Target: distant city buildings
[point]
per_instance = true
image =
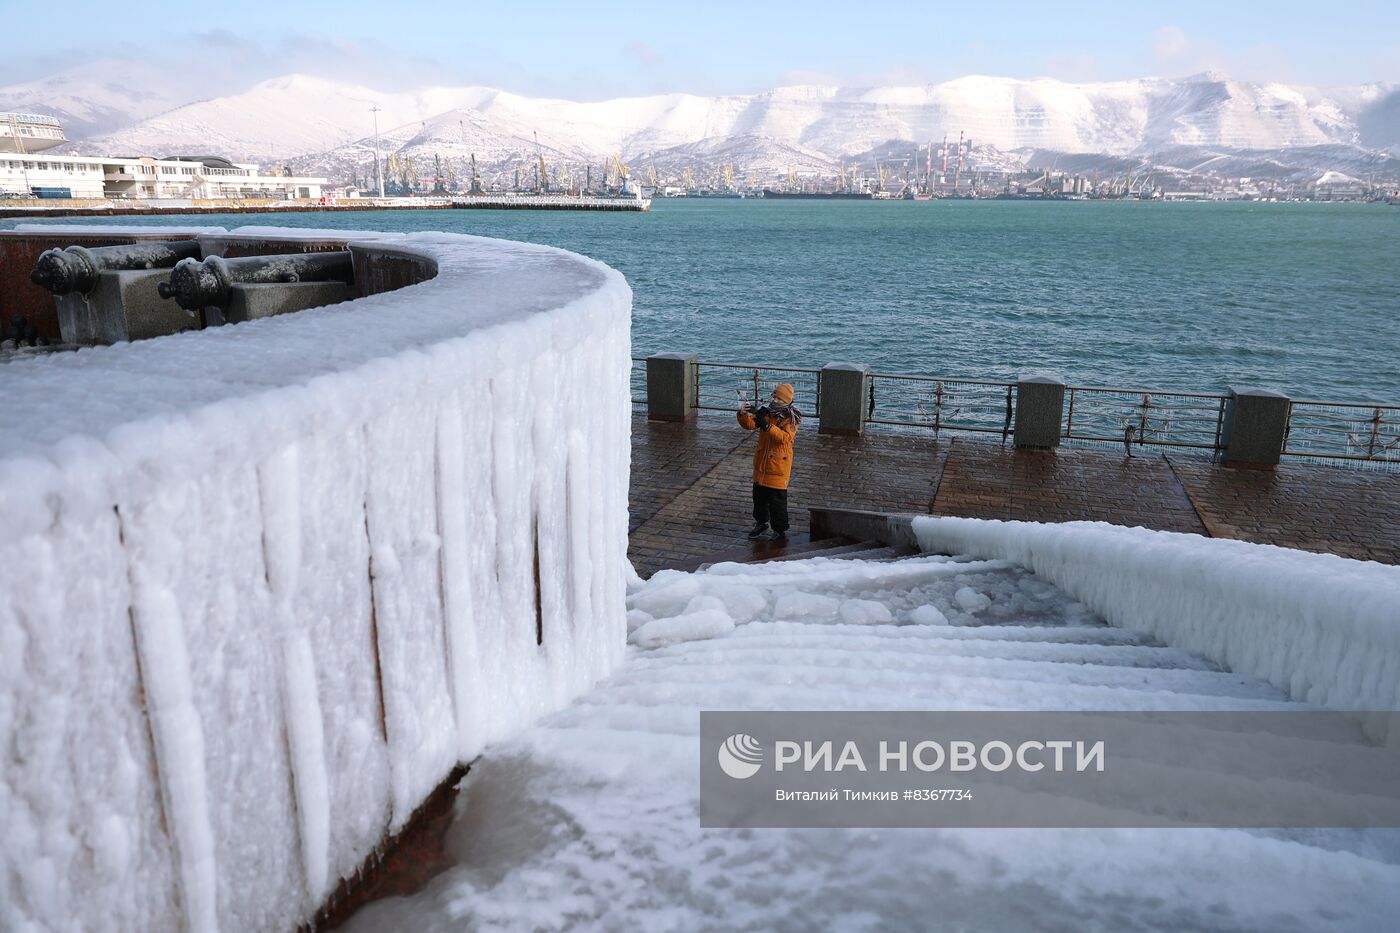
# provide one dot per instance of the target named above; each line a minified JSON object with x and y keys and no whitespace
{"x":116,"y":178}
{"x":27,"y":170}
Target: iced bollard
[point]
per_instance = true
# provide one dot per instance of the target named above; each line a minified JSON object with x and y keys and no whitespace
{"x":844,"y":390}
{"x":671,"y":386}
{"x":1040,"y":405}
{"x":1256,"y":425}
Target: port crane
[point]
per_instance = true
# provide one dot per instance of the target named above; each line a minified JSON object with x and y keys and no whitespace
{"x":957,"y":174}
{"x":541,"y":173}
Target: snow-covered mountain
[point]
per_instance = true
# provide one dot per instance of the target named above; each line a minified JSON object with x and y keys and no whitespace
{"x":317,"y":122}
{"x":96,"y":97}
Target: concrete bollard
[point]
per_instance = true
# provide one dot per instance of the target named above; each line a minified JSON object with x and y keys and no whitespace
{"x":122,"y":305}
{"x":844,"y":390}
{"x":251,"y":302}
{"x":1256,"y":423}
{"x":671,"y":386}
{"x":1040,"y":409}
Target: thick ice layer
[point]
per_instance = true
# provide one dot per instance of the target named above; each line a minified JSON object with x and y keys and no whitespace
{"x":1322,"y":628}
{"x":262,"y":587}
{"x":590,"y":820}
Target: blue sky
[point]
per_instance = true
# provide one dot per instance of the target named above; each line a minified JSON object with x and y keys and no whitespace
{"x":596,"y":50}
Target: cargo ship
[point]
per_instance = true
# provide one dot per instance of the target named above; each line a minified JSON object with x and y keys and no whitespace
{"x":819,"y":195}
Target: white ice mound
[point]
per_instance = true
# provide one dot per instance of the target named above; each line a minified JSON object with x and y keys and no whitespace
{"x":707,"y":623}
{"x":1322,"y":628}
{"x":864,"y":612}
{"x":971,"y":600}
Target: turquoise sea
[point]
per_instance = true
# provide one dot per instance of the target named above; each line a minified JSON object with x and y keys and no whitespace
{"x":1300,"y":297}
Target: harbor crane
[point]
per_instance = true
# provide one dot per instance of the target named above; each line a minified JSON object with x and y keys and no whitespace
{"x":957,"y":174}
{"x":541,"y":174}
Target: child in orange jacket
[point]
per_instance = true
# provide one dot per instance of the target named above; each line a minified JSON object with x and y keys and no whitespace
{"x":777,"y":424}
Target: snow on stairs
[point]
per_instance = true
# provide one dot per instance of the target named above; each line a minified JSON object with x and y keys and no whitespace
{"x":875,"y":617}
{"x":859,"y":625}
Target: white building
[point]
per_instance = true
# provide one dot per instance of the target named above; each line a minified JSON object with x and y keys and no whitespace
{"x":147,"y":178}
{"x":1337,"y":186}
{"x":26,"y":170}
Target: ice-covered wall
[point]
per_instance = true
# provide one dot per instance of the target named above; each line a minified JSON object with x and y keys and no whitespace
{"x":1324,"y":629}
{"x":262,"y":587}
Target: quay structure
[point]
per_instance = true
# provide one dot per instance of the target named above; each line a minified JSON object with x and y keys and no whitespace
{"x":266,"y":589}
{"x":34,"y":183}
{"x":1249,"y":464}
{"x":506,"y":202}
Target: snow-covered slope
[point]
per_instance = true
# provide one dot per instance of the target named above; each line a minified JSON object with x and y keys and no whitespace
{"x":300,"y":115}
{"x":95,"y":97}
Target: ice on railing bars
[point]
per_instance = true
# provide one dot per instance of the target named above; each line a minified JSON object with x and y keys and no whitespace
{"x":1324,"y":629}
{"x":263,"y":587}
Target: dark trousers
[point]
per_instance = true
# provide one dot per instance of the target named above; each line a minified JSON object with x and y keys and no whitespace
{"x":770,"y":507}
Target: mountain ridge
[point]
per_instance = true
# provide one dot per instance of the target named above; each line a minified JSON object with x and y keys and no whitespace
{"x":315,"y":121}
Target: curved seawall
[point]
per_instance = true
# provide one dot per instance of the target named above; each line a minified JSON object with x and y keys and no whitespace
{"x":263,"y":587}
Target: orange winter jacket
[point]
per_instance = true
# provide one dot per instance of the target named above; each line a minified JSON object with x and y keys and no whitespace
{"x":772,"y":462}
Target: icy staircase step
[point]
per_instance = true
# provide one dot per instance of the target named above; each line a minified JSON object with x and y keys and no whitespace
{"x":829,"y":547}
{"x":766,"y":550}
{"x":880,"y":553}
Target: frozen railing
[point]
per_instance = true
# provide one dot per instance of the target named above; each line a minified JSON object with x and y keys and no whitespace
{"x":941,"y":404}
{"x":637,"y":382}
{"x":1144,"y":417}
{"x":722,"y":386}
{"x":1343,"y":431}
{"x":1245,"y":427}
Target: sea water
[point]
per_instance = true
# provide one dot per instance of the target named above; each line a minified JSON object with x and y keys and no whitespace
{"x":1295,"y":296}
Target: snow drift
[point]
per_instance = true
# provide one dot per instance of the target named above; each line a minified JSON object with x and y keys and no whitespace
{"x":262,"y":587}
{"x":1324,"y":629}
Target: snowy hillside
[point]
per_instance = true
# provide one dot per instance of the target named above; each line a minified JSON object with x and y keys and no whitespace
{"x":97,"y":97}
{"x":299,"y":116}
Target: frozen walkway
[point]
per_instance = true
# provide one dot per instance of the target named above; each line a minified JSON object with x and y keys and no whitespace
{"x":690,"y":490}
{"x":589,"y":820}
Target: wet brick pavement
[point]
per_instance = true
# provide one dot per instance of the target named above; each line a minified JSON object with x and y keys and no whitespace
{"x":690,"y":490}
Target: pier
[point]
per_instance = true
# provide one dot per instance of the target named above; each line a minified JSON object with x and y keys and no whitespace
{"x":524,"y":202}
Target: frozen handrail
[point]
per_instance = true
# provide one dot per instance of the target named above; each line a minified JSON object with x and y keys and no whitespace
{"x":1356,"y":433}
